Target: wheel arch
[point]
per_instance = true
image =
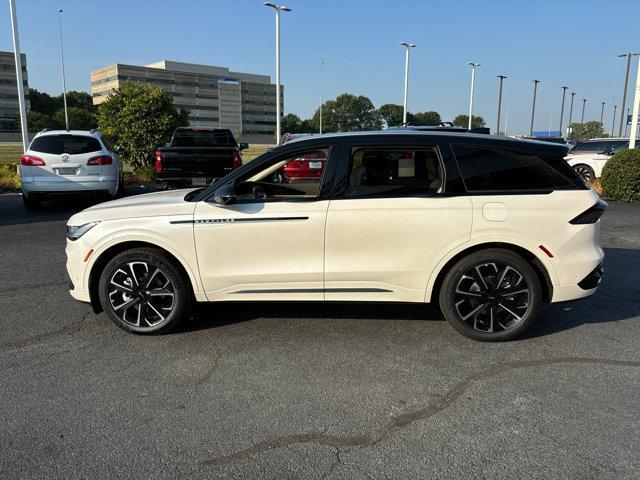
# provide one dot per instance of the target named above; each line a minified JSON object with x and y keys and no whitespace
{"x":101,"y":261}
{"x":540,"y":269}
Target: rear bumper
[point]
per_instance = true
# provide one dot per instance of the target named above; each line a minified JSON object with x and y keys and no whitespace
{"x":584,"y":288}
{"x":195,"y":181}
{"x":34,"y":185}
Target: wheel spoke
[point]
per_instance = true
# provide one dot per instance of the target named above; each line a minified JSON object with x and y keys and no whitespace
{"x":517,"y":317}
{"x":468,"y":295}
{"x":156,"y":310}
{"x":475,"y":311}
{"x":120,"y":288}
{"x":152,"y":276}
{"x":160,"y":292}
{"x":126,"y":304}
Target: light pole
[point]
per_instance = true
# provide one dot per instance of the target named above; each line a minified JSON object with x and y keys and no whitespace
{"x":584,"y":104}
{"x":18,"y":60}
{"x":64,"y":80}
{"x":602,"y":114}
{"x":321,"y":93}
{"x":278,"y":9}
{"x":564,"y":93}
{"x":473,"y":81}
{"x":506,"y":117}
{"x":573,"y":94}
{"x":636,"y":111}
{"x":407,"y":46}
{"x":501,"y":77}
{"x":626,"y":124}
{"x":533,"y":106}
{"x":613,"y":122}
{"x":626,"y":84}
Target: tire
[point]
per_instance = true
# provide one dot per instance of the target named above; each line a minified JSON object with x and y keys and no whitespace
{"x":122,"y":288}
{"x":31,"y":202}
{"x":585,"y":171}
{"x":120,"y":191}
{"x":473,"y":302}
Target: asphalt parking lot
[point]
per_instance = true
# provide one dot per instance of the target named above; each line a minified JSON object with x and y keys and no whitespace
{"x":308,"y":390}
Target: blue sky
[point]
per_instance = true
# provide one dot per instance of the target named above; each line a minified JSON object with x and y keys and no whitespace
{"x":561,"y":42}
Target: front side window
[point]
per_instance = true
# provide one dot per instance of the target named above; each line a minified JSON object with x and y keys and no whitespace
{"x":69,"y":144}
{"x":394,"y":171}
{"x":296,"y":176}
{"x":494,"y":169}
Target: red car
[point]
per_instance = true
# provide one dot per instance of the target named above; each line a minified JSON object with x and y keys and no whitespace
{"x":307,"y":168}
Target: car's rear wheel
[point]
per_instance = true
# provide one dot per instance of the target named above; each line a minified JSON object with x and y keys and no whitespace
{"x":585,"y":171}
{"x":31,"y":202}
{"x":143,"y":291}
{"x":491,"y":295}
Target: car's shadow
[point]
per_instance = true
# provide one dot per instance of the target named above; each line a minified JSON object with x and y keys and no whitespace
{"x":617,"y":299}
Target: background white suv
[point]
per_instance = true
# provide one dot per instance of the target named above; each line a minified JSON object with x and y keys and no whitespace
{"x":74,"y":161}
{"x":589,"y":158}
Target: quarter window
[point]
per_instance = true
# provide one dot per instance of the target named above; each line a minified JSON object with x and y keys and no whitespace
{"x":493,"y":169}
{"x":394,"y":171}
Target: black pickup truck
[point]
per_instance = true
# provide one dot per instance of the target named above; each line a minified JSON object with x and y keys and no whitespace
{"x":197,"y":156}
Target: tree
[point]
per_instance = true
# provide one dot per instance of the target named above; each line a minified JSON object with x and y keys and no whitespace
{"x":391,"y":114}
{"x":462,"y":120}
{"x":348,"y":113}
{"x":43,"y":102}
{"x":585,"y":131}
{"x":138,"y":118}
{"x":81,"y":100}
{"x":79,"y":119}
{"x":38,"y":121}
{"x":427,"y":118}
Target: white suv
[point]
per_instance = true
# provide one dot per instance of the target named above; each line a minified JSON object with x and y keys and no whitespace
{"x":589,"y":158}
{"x":488,"y":227}
{"x":74,"y":161}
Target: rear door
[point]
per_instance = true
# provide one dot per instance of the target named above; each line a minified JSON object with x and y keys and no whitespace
{"x":65,"y":157}
{"x":391,"y":223}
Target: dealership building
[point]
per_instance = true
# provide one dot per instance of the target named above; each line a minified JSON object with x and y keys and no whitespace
{"x":9,"y":108}
{"x":245,"y":103}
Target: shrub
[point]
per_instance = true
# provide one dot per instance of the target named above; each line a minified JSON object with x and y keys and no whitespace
{"x":9,"y":178}
{"x":621,"y":177}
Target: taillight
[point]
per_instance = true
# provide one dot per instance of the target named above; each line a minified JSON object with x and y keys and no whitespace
{"x":31,"y":161}
{"x":100,"y":160}
{"x":158,"y":165}
{"x":237,"y":160}
{"x":591,"y":215}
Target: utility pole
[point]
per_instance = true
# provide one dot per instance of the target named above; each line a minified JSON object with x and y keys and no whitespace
{"x":533,"y":106}
{"x":584,"y":104}
{"x":407,"y":46}
{"x":501,"y":77}
{"x":473,"y":81}
{"x":626,"y":84}
{"x":18,"y":58}
{"x":564,"y":93}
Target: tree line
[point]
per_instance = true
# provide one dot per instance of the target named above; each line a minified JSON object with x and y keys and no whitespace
{"x":348,"y":113}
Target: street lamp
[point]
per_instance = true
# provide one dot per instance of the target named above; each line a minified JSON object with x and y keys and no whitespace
{"x":602,"y":114}
{"x":64,"y":81}
{"x":533,"y":106}
{"x":584,"y":105}
{"x":407,"y":46}
{"x":573,"y":94}
{"x":613,"y":122}
{"x":278,"y":9}
{"x":626,"y":84}
{"x":506,"y":118}
{"x":564,"y":93}
{"x":501,"y":77}
{"x":473,"y":81}
{"x":18,"y":59}
{"x":626,"y":124}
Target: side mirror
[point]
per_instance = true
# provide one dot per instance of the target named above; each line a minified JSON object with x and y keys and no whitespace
{"x":225,"y":195}
{"x":243,"y":146}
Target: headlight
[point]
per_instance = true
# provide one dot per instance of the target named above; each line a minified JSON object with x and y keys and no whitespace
{"x":74,"y":233}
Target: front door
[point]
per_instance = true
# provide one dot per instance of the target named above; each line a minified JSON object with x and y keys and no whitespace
{"x":269,"y":245}
{"x":391,"y":225}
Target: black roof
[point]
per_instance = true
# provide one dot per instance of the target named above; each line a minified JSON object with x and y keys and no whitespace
{"x":441,"y":136}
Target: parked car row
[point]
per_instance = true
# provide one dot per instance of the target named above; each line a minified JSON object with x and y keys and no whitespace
{"x":589,"y":157}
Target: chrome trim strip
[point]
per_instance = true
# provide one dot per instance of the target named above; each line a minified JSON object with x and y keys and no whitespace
{"x":205,"y":221}
{"x":316,"y":290}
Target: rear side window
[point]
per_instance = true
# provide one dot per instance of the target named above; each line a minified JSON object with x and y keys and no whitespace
{"x":70,"y":144}
{"x":203,"y":138}
{"x":501,"y":170}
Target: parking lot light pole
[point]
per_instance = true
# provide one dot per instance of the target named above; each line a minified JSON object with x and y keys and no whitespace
{"x":613,"y":122}
{"x":564,"y":93}
{"x":501,"y":77}
{"x":602,"y":114}
{"x":624,"y":95}
{"x":573,"y":94}
{"x":64,"y":80}
{"x":636,"y":111}
{"x":626,"y":124}
{"x":278,"y":9}
{"x":18,"y":59}
{"x":473,"y":81}
{"x":321,"y":93}
{"x":584,"y":105}
{"x":506,"y":117}
{"x":407,"y":46}
{"x":533,"y":106}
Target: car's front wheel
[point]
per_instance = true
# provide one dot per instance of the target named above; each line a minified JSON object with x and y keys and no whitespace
{"x":143,"y":291}
{"x":491,"y":295}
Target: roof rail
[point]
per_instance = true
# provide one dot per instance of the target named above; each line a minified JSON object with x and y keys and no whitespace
{"x":43,"y":130}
